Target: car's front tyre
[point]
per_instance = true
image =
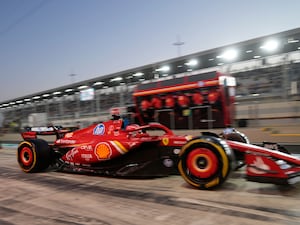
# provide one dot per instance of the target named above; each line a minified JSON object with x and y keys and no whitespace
{"x":205,"y":162}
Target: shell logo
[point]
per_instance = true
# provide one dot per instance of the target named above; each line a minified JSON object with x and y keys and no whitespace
{"x":103,"y":151}
{"x":165,"y":141}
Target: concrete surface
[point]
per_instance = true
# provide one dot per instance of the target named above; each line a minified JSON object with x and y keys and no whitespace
{"x":70,"y":199}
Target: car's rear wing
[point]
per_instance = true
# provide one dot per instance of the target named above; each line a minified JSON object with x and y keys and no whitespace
{"x":58,"y":131}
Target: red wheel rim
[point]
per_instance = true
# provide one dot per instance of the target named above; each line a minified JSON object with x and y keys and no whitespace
{"x":26,"y":156}
{"x":202,"y":163}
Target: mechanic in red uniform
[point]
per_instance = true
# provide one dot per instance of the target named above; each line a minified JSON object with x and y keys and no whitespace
{"x":197,"y":98}
{"x":183,"y":100}
{"x":145,"y":111}
{"x":213,"y":97}
{"x":156,"y":102}
{"x":169,"y":101}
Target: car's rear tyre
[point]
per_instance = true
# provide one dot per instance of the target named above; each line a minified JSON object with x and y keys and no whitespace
{"x":205,"y":162}
{"x":34,"y":155}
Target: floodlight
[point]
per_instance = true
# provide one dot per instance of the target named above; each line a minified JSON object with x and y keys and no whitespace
{"x":116,"y":79}
{"x":82,"y":87}
{"x":292,"y":40}
{"x":163,"y":69}
{"x":229,"y":55}
{"x":138,"y":74}
{"x":270,"y":45}
{"x":98,"y":83}
{"x":192,"y":62}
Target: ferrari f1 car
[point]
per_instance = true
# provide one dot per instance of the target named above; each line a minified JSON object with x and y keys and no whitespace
{"x":153,"y":150}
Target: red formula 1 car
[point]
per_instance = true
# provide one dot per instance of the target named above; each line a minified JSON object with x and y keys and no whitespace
{"x":154,"y":150}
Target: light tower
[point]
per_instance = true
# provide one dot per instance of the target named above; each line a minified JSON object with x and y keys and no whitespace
{"x":178,"y":43}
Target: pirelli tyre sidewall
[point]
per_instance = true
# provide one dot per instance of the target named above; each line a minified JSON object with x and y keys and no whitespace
{"x":205,"y":162}
{"x":33,"y":155}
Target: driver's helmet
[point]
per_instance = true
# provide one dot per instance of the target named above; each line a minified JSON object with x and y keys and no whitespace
{"x":115,"y":113}
{"x":228,"y":130}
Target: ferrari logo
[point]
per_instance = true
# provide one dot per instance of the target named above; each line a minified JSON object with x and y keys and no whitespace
{"x":165,"y":141}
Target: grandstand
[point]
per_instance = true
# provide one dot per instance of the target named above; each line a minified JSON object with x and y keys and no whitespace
{"x":267,"y":70}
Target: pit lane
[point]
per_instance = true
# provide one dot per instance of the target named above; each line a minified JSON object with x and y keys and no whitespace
{"x":62,"y":198}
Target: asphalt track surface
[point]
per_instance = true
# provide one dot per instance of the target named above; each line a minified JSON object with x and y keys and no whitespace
{"x":63,"y":198}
